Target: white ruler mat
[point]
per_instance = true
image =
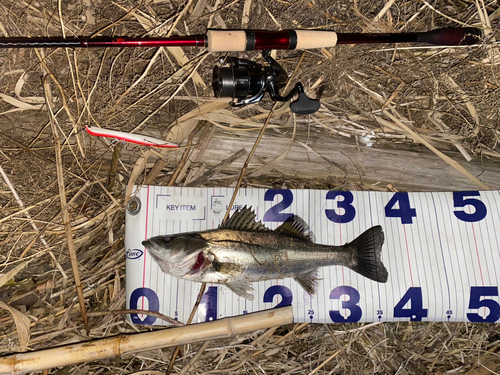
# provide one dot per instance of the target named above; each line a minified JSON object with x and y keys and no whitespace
{"x":441,"y":251}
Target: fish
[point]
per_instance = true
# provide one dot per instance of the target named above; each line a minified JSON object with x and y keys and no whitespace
{"x":241,"y":251}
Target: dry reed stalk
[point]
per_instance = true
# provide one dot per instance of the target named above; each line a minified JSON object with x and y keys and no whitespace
{"x":384,"y":10}
{"x":62,"y":196}
{"x":130,"y":344}
{"x":21,"y":204}
{"x":28,"y":149}
{"x":447,"y":159}
{"x":137,"y":311}
{"x":184,"y":157}
{"x":45,"y":227}
{"x":190,"y":319}
{"x":190,"y":75}
{"x":139,"y":167}
{"x":211,"y":172}
{"x":246,"y":13}
{"x":196,"y":357}
{"x":196,"y":154}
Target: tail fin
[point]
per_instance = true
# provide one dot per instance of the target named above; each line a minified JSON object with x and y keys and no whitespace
{"x":369,"y":245}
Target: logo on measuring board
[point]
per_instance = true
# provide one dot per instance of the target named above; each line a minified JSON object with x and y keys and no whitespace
{"x":133,"y":253}
{"x":217,"y":206}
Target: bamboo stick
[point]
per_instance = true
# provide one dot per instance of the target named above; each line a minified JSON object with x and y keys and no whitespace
{"x":22,"y":363}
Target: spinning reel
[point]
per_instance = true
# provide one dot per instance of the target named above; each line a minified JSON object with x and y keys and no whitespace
{"x":248,"y":81}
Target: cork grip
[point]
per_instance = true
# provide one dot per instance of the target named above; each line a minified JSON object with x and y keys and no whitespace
{"x":315,"y":39}
{"x":226,"y":40}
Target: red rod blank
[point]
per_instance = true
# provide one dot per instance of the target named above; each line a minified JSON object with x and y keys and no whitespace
{"x":261,"y":39}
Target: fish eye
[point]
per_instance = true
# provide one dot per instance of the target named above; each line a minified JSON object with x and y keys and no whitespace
{"x":167,"y":239}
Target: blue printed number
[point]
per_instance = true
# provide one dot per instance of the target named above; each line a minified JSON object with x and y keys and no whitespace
{"x":351,"y":304}
{"x":416,"y":311}
{"x":280,"y":290}
{"x":405,"y":212}
{"x":274,"y":213}
{"x":209,"y":300}
{"x":349,"y":210}
{"x":153,"y":305}
{"x":459,"y":201}
{"x":475,"y":302}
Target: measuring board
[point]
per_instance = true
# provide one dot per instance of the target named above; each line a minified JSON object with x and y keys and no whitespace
{"x":441,"y":252}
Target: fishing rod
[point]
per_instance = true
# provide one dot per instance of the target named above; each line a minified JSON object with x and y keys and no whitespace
{"x":246,"y":81}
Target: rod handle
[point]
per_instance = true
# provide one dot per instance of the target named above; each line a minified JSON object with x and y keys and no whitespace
{"x":307,"y":39}
{"x":226,"y":40}
{"x":249,"y":40}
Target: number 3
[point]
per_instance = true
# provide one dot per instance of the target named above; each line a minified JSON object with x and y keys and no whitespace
{"x":349,"y":210}
{"x":351,"y":304}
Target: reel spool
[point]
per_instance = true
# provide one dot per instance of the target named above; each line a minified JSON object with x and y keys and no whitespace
{"x":246,"y":82}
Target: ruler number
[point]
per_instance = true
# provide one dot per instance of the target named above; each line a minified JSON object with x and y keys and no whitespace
{"x":475,"y":302}
{"x":460,"y":201}
{"x":209,"y":302}
{"x":153,"y":305}
{"x":405,"y":212}
{"x":349,"y":210}
{"x":416,"y":311}
{"x":274,"y":213}
{"x":351,"y":304}
{"x":279,"y":290}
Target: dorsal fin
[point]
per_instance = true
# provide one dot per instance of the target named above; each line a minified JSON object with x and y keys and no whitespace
{"x":296,"y":227}
{"x":244,"y":220}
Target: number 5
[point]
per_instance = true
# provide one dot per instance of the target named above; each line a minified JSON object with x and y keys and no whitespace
{"x":475,"y":302}
{"x":459,"y":201}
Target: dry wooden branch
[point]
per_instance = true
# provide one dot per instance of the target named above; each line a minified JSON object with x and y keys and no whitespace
{"x":129,"y":344}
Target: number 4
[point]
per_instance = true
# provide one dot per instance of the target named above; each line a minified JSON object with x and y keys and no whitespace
{"x":405,"y":212}
{"x":416,"y":311}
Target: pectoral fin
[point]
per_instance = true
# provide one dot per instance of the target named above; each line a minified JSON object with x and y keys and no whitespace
{"x":241,"y":288}
{"x":308,"y":281}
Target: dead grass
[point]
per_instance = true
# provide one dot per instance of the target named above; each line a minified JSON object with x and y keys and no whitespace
{"x":71,"y":190}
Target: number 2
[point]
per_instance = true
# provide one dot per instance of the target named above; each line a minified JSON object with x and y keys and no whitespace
{"x":274,"y":213}
{"x":279,"y":290}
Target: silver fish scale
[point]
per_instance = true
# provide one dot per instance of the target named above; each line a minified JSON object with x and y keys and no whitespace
{"x":256,"y":256}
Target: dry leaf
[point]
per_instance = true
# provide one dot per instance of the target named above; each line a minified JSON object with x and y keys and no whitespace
{"x":28,"y":99}
{"x":13,"y":272}
{"x":22,"y":323}
{"x":20,"y":106}
{"x":186,"y":124}
{"x":274,"y":163}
